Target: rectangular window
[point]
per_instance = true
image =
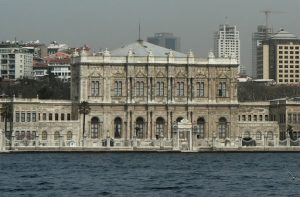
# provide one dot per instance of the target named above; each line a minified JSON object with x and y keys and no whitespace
{"x":56,"y":116}
{"x":68,"y":116}
{"x":118,"y":88}
{"x":28,"y":116}
{"x":294,"y":118}
{"x":243,"y":117}
{"x":260,"y":118}
{"x":33,"y":117}
{"x":222,"y":89}
{"x":17,"y":116}
{"x":180,"y":88}
{"x":22,"y":117}
{"x":62,"y":116}
{"x":160,"y":88}
{"x":44,"y":116}
{"x":255,"y":118}
{"x":289,"y":118}
{"x":249,"y":117}
{"x":50,"y":117}
{"x":95,"y":88}
{"x":200,"y":89}
{"x":266,"y":118}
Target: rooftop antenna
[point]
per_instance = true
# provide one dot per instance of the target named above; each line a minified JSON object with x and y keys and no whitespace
{"x":226,"y":20}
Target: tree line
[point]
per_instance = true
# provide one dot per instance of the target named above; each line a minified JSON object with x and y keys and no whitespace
{"x":252,"y":91}
{"x":47,"y":87}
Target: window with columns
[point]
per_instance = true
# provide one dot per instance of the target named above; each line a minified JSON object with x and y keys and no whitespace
{"x":180,"y":88}
{"x":200,"y":89}
{"x":118,"y":88}
{"x":159,"y":88}
{"x":95,"y":88}
{"x":139,"y":88}
{"x":222,"y":89}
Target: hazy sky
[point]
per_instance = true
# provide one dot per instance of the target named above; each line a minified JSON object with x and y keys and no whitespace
{"x":113,"y":23}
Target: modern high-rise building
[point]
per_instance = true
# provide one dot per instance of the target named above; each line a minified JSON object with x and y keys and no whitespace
{"x":280,"y":59}
{"x":227,"y":42}
{"x":167,"y":40}
{"x":15,"y":63}
{"x":263,"y":33}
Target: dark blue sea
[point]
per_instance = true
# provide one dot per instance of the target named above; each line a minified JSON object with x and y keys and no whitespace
{"x":150,"y":174}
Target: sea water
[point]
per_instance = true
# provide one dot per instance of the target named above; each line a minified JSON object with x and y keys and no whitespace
{"x":150,"y":174}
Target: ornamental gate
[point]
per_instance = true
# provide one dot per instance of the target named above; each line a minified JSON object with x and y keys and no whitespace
{"x":182,"y":135}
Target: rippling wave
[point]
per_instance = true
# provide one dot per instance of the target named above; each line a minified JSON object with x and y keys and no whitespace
{"x":150,"y":174}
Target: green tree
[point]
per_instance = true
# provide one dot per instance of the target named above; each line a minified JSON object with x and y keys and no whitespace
{"x":84,"y":108}
{"x":7,"y":113}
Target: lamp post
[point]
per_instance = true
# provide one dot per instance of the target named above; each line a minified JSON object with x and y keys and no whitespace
{"x":175,"y":129}
{"x":161,"y":136}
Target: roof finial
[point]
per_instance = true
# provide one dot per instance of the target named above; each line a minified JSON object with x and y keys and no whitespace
{"x":140,"y":40}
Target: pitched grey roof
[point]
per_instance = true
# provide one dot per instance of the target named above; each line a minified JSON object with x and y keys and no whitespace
{"x":282,"y":34}
{"x":143,"y":48}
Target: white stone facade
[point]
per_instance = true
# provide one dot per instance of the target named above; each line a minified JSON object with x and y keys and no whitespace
{"x":170,"y":101}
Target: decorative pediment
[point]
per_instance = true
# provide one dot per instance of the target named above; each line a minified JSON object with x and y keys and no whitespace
{"x":160,"y":74}
{"x":95,"y":73}
{"x":140,"y":73}
{"x":200,"y":74}
{"x":224,"y":73}
{"x":117,"y":72}
{"x":180,"y":74}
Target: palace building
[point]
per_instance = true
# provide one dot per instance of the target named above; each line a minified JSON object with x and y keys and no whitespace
{"x":143,"y":96}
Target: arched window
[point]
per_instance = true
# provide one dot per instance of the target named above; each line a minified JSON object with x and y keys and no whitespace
{"x":270,"y":135}
{"x":160,"y":125}
{"x":69,"y":135}
{"x":17,"y":134}
{"x":44,"y":135}
{"x":22,"y":135}
{"x":222,"y":128}
{"x":56,"y":135}
{"x":118,"y":127}
{"x":258,"y":135}
{"x":247,"y":134}
{"x":200,"y":127}
{"x":28,"y":135}
{"x":94,"y":128}
{"x":33,"y":134}
{"x":179,"y":119}
{"x":140,"y":127}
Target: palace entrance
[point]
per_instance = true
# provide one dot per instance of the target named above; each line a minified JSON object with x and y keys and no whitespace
{"x":183,"y":135}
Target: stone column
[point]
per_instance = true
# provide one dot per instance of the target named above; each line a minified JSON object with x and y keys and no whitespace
{"x":12,"y":141}
{"x":36,"y":140}
{"x":2,"y":147}
{"x":288,"y":141}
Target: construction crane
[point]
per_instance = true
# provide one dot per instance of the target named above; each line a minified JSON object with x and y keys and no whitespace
{"x":267,"y":14}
